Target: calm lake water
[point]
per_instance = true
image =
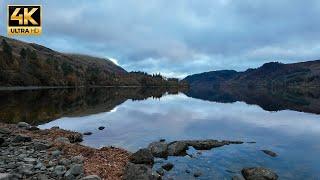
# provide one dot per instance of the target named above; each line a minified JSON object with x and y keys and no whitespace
{"x":287,"y":123}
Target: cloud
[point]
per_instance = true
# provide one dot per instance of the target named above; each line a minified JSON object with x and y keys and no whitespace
{"x":182,"y":37}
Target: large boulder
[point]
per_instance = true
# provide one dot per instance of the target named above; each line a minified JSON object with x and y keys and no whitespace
{"x":159,"y":149}
{"x":177,"y":148}
{"x":258,"y":173}
{"x":142,"y":156}
{"x":138,"y":171}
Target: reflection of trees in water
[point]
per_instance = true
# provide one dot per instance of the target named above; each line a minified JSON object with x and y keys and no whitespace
{"x":39,"y":106}
{"x":302,"y":99}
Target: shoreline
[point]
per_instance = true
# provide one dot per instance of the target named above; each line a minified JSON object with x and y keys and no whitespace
{"x":106,"y":162}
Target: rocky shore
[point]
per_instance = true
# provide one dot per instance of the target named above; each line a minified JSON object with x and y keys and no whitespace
{"x":27,"y":152}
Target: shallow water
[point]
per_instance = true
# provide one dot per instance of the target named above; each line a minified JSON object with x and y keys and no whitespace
{"x":293,"y":135}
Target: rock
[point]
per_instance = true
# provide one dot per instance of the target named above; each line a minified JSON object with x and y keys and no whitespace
{"x":21,"y":138}
{"x":159,"y":149}
{"x":65,"y":162}
{"x":137,"y":171}
{"x":1,"y":141}
{"x":76,"y":169}
{"x":69,"y":176}
{"x":258,"y":173}
{"x":39,"y":146}
{"x":30,"y":161}
{"x":77,"y":159}
{"x":101,"y":128}
{"x":162,"y":140}
{"x":56,"y":153}
{"x":160,"y":171}
{"x":62,"y":140}
{"x":4,"y":131}
{"x":39,"y":166}
{"x":168,"y":166}
{"x":188,"y":171}
{"x":232,"y":142}
{"x":26,"y":169}
{"x":197,"y":174}
{"x":23,"y":125}
{"x":55,"y":127}
{"x":91,"y":177}
{"x":87,"y":133}
{"x":142,"y":156}
{"x":270,"y":153}
{"x":75,"y":138}
{"x":177,"y":148}
{"x":8,"y":176}
{"x":237,"y":178}
{"x":33,"y":128}
{"x":205,"y":144}
{"x":59,"y":170}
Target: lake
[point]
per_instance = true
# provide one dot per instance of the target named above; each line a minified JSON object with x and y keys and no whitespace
{"x":284,"y":121}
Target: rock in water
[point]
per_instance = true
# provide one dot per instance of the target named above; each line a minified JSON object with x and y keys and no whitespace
{"x":258,"y":173}
{"x":87,"y":133}
{"x":177,"y":148}
{"x":168,"y":166}
{"x":101,"y":128}
{"x":142,"y":156}
{"x":159,"y":149}
{"x":197,"y":174}
{"x":91,"y":177}
{"x":237,"y":178}
{"x":137,"y":171}
{"x":270,"y":153}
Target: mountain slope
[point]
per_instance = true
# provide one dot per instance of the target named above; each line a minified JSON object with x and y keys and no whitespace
{"x":271,"y":74}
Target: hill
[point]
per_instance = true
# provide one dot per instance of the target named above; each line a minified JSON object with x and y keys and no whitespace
{"x":29,"y":64}
{"x":273,"y":74}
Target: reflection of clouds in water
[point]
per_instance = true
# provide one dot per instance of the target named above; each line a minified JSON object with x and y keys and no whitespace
{"x":180,"y":117}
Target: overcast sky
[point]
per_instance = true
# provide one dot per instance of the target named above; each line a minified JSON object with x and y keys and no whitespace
{"x":181,"y":37}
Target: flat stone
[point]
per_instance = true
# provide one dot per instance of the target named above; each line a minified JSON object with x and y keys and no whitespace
{"x":258,"y":173}
{"x":142,"y":156}
{"x":91,"y":177}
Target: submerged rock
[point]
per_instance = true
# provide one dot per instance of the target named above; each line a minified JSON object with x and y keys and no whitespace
{"x":205,"y":144}
{"x":258,"y":173}
{"x":270,"y":153}
{"x":87,"y":133}
{"x":101,"y":128}
{"x":197,"y":174}
{"x":168,"y":166}
{"x":177,"y":148}
{"x":159,"y":149}
{"x":142,"y":156}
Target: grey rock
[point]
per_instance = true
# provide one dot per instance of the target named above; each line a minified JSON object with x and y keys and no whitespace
{"x":69,"y":176}
{"x":62,"y":140}
{"x":197,"y":174}
{"x":39,"y":166}
{"x":91,"y":177}
{"x":159,"y":149}
{"x":21,"y":138}
{"x":65,"y":162}
{"x":205,"y":144}
{"x":168,"y":166}
{"x":76,"y":169}
{"x":8,"y":176}
{"x":4,"y":131}
{"x":23,"y":125}
{"x":137,"y":171}
{"x":270,"y":153}
{"x":59,"y":170}
{"x":33,"y":128}
{"x":56,"y":153}
{"x":30,"y":161}
{"x":77,"y":159}
{"x":26,"y":169}
{"x":177,"y":148}
{"x":75,"y":138}
{"x":39,"y":146}
{"x":258,"y":173}
{"x":142,"y":156}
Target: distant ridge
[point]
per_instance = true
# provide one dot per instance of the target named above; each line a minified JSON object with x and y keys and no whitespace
{"x":273,"y":74}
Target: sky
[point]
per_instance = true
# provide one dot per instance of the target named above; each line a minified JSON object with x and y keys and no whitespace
{"x":180,"y":37}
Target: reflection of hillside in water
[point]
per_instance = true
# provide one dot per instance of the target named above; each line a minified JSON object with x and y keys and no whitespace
{"x":40,"y":106}
{"x":303,"y":100}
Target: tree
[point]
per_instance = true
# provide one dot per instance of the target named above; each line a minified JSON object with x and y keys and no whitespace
{"x":23,"y":53}
{"x":6,"y":48}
